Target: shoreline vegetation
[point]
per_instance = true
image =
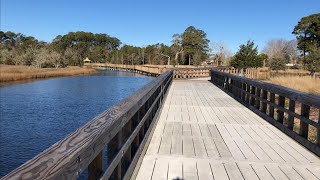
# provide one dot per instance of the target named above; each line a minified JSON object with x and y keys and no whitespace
{"x":13,"y":73}
{"x":301,"y":83}
{"x":10,"y":74}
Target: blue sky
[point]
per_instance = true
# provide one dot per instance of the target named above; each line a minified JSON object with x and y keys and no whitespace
{"x":143,"y":22}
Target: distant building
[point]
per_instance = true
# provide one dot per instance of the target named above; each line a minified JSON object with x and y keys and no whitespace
{"x":87,"y":60}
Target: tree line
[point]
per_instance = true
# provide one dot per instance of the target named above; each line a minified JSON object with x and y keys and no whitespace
{"x":190,"y":47}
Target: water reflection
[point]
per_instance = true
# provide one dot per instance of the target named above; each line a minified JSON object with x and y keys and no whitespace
{"x":37,"y":114}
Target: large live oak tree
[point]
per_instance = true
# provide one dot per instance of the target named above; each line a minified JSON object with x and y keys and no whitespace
{"x":307,"y":32}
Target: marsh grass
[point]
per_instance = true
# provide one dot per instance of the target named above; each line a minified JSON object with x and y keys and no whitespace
{"x":16,"y":73}
{"x":304,"y":83}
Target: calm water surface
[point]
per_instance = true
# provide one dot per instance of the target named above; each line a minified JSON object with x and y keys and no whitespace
{"x":35,"y":115}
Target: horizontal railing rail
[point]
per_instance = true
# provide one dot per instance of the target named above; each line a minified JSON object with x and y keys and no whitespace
{"x":295,"y":113}
{"x":122,"y":130}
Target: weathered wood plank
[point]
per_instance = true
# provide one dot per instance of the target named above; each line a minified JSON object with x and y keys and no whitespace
{"x":290,"y":172}
{"x":238,"y":145}
{"x":262,"y":172}
{"x":160,"y":171}
{"x":188,"y":148}
{"x":146,"y":170}
{"x":199,"y":147}
{"x":219,"y":171}
{"x":247,"y":171}
{"x":233,"y":171}
{"x":190,"y":170}
{"x":175,"y":169}
{"x":276,"y":172}
{"x":204,"y":170}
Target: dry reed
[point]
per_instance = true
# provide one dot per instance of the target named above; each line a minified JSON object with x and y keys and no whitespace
{"x":306,"y":83}
{"x":15,"y":73}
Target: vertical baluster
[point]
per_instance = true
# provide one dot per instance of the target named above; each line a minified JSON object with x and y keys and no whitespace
{"x":243,"y":94}
{"x":281,"y":102}
{"x":238,"y":89}
{"x":252,"y":99}
{"x":231,"y":88}
{"x":318,"y":130}
{"x":248,"y":94}
{"x":113,"y":148}
{"x":264,"y":104}
{"x":271,"y":107}
{"x":292,"y":106}
{"x":136,"y":121}
{"x":304,"y":128}
{"x":257,"y":103}
{"x":95,"y":167}
{"x":126,"y":159}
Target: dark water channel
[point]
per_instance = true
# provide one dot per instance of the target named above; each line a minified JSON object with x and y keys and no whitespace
{"x":35,"y":115}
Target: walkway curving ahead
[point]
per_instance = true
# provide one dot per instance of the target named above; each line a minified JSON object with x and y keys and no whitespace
{"x":203,"y":133}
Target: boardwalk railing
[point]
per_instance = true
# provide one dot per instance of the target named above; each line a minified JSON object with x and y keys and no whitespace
{"x":142,"y":69}
{"x":187,"y":73}
{"x":252,"y":73}
{"x":179,"y":73}
{"x":264,"y":73}
{"x":122,"y":129}
{"x":295,"y":113}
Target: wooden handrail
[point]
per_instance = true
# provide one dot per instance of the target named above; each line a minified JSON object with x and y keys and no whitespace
{"x":269,"y":101}
{"x":123,"y":128}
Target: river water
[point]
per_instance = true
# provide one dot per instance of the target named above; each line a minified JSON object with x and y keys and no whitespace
{"x":35,"y":115}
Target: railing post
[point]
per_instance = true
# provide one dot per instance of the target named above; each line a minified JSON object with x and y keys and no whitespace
{"x":318,"y":130}
{"x":239,"y":87}
{"x":126,"y":159}
{"x":281,"y":102}
{"x":243,"y":94}
{"x":257,"y":103}
{"x":136,"y":120}
{"x":231,"y":87}
{"x":271,"y":107}
{"x":95,"y":167}
{"x":305,"y":111}
{"x":113,"y":147}
{"x":248,"y":94}
{"x":292,"y":106}
{"x":252,"y":99}
{"x":264,"y":104}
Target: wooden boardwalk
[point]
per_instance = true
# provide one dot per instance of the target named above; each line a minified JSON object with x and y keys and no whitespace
{"x":204,"y":134}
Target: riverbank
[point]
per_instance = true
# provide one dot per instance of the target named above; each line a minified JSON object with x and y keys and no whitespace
{"x":11,"y":73}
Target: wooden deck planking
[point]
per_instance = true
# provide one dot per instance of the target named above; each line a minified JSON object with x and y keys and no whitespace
{"x":202,"y":133}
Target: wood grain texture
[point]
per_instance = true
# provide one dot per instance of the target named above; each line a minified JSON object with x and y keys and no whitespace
{"x":69,"y":157}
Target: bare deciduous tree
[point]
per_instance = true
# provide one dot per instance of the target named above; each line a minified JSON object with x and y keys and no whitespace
{"x":281,"y":49}
{"x":40,"y":57}
{"x":220,"y":52}
{"x":177,"y":48}
{"x":54,"y":58}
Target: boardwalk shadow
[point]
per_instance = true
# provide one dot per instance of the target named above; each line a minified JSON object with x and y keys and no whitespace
{"x":178,"y":178}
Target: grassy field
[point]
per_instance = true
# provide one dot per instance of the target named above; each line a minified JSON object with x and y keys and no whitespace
{"x":17,"y":73}
{"x":303,"y":83}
